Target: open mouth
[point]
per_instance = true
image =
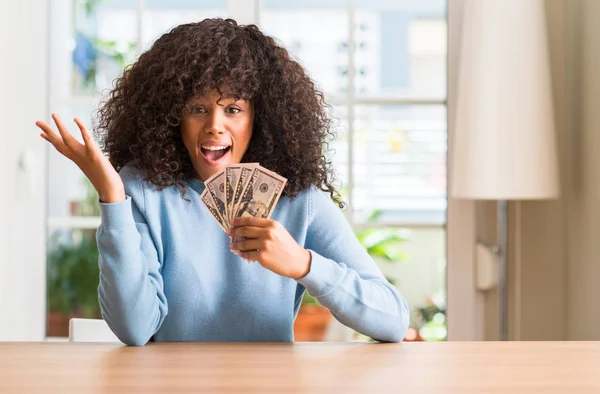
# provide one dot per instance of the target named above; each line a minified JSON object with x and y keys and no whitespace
{"x":215,"y":153}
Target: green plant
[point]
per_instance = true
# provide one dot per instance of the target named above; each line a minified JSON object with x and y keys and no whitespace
{"x":73,"y":275}
{"x":383,"y":244}
{"x":90,"y":5}
{"x":73,"y":271}
{"x":120,"y":53}
{"x":117,"y":51}
{"x":307,"y":299}
{"x":431,"y":320}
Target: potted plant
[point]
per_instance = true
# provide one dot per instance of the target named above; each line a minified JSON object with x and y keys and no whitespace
{"x":311,"y":322}
{"x":73,"y":277}
{"x":72,"y":270}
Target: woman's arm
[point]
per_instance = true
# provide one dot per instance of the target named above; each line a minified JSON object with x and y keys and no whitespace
{"x":334,"y":267}
{"x":345,"y":279}
{"x":130,"y":293}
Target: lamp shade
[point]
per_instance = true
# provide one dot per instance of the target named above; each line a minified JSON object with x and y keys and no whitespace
{"x":504,"y":144}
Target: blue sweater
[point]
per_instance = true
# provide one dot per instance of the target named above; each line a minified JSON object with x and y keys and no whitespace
{"x":167,"y":274}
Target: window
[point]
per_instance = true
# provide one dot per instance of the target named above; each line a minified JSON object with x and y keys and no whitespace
{"x":91,"y":43}
{"x":386,"y":77}
{"x":386,"y":80}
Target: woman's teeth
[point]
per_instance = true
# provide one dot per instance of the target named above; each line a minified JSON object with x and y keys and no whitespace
{"x":215,"y":147}
{"x":214,"y":153}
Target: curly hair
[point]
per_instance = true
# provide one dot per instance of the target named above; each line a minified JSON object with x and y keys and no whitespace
{"x":138,"y":123}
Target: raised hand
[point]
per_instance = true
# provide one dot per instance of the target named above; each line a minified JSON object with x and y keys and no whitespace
{"x":87,"y":156}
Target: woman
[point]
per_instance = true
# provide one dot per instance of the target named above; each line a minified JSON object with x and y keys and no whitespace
{"x":206,"y":95}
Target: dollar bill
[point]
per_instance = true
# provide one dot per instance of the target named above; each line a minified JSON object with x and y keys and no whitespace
{"x":233,"y":175}
{"x":261,"y":194}
{"x":216,"y":187}
{"x":244,"y":177}
{"x":207,"y":199}
{"x":242,"y":190}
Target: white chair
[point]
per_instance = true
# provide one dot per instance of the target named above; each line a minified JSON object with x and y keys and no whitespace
{"x":90,"y":330}
{"x":337,"y":332}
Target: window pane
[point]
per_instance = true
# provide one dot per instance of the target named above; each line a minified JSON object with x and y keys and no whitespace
{"x":400,"y":48}
{"x":400,"y":163}
{"x":72,"y":279}
{"x":161,"y":16}
{"x":104,"y":38}
{"x":312,"y":31}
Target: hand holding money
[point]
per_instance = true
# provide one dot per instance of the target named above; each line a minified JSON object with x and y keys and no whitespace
{"x":242,"y":190}
{"x":242,"y":198}
{"x":269,"y":243}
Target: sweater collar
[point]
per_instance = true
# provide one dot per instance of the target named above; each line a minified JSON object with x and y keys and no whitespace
{"x":196,"y":184}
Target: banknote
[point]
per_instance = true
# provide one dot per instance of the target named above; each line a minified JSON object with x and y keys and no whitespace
{"x":206,"y":198}
{"x":245,"y":176}
{"x":216,"y":186}
{"x":261,"y":194}
{"x":235,"y":175}
{"x":245,"y":189}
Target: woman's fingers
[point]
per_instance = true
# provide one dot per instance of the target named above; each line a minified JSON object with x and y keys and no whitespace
{"x":252,"y":221}
{"x":90,"y":160}
{"x":249,"y":256}
{"x":85,"y":134}
{"x":247,"y":245}
{"x":246,"y":231}
{"x":67,"y":138}
{"x":51,"y":136}
{"x":63,"y":141}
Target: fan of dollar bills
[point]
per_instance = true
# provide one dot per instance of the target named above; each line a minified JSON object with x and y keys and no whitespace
{"x":242,"y":190}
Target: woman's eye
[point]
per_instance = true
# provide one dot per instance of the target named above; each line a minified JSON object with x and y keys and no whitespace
{"x":233,"y":110}
{"x":197,"y":110}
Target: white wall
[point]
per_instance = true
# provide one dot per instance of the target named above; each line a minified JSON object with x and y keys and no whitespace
{"x":23,"y":100}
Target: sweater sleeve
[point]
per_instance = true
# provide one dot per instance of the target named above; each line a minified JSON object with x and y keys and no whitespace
{"x":130,"y":293}
{"x":345,"y":279}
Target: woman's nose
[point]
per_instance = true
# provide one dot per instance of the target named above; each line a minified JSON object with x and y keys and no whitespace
{"x":215,"y":125}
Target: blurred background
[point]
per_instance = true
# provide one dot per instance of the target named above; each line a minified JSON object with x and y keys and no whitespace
{"x":389,"y":68}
